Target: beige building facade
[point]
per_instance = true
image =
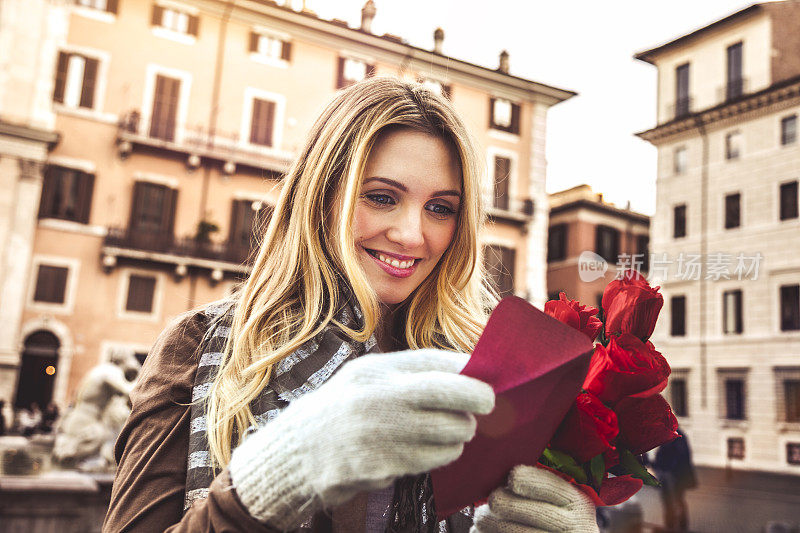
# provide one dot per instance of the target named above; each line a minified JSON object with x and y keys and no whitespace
{"x":726,"y":235}
{"x":176,"y":120}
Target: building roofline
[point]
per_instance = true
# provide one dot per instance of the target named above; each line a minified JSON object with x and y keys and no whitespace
{"x":394,"y":44}
{"x":648,"y":56}
{"x":602,"y":208}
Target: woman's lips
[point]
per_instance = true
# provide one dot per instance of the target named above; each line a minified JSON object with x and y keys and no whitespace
{"x":397,"y":271}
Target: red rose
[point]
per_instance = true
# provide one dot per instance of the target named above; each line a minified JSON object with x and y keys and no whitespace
{"x":572,"y":313}
{"x":627,"y":367}
{"x":587,"y":430}
{"x":645,"y":423}
{"x":631,"y":305}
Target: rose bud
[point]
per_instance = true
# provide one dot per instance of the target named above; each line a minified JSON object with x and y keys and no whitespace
{"x":587,"y":430}
{"x":627,"y":367}
{"x":645,"y":423}
{"x":631,"y":305}
{"x":572,"y":313}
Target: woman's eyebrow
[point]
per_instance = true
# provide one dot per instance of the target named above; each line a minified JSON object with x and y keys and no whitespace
{"x":398,"y":185}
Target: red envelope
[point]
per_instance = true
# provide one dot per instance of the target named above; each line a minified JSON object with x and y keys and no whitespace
{"x":536,"y":366}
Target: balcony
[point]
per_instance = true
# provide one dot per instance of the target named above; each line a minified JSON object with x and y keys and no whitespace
{"x":681,"y":108}
{"x":733,"y":90}
{"x":511,"y":210}
{"x":200,"y":145}
{"x":181,"y":252}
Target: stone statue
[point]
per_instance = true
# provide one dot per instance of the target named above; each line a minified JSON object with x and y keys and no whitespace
{"x":85,"y":436}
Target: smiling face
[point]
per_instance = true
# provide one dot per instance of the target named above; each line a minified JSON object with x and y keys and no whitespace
{"x":407,"y":212}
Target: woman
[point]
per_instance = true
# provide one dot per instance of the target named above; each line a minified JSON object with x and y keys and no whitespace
{"x":274,"y":411}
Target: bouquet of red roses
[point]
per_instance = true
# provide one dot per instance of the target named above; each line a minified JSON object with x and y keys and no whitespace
{"x":619,"y":412}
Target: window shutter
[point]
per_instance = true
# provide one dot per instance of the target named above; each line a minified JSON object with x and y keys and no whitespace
{"x":140,"y":293}
{"x":84,"y":202}
{"x":89,"y":82}
{"x":286,"y":50}
{"x":158,"y":14}
{"x":51,"y":284}
{"x":253,"y":46}
{"x":137,"y":205}
{"x":238,"y":213}
{"x":502,"y":169}
{"x":112,"y":6}
{"x":340,"y":82}
{"x":194,"y":23}
{"x":491,"y":112}
{"x":61,"y":77}
{"x":48,"y":192}
{"x":509,"y":262}
{"x":165,"y":108}
{"x":515,"y":112}
{"x":167,"y":229}
{"x":261,"y":125}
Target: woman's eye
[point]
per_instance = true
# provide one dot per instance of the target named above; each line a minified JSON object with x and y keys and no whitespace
{"x":440,"y":210}
{"x":380,"y":199}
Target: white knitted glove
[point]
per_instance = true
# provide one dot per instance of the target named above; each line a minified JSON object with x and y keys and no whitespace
{"x":379,"y":417}
{"x":536,"y":501}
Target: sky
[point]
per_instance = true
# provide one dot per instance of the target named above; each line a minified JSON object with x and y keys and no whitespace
{"x":586,"y":46}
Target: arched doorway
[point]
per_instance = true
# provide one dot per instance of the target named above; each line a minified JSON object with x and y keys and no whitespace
{"x":37,"y":373}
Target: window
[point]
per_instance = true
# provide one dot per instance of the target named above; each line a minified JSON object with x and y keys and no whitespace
{"x":66,"y":194}
{"x":270,"y":46}
{"x":557,"y":243}
{"x":504,"y":115}
{"x":791,"y":400}
{"x":732,"y":311}
{"x":790,"y":307}
{"x":677,"y":396}
{"x":152,"y":215}
{"x":643,"y":251}
{"x":735,"y":84}
{"x":736,"y":448}
{"x":141,"y":290}
{"x":500,"y":262}
{"x":437,"y":87}
{"x":165,"y":108}
{"x":353,"y":70}
{"x":733,"y":145}
{"x":51,"y":284}
{"x":678,"y":316}
{"x":606,"y":243}
{"x":732,"y":210}
{"x":262,"y":122}
{"x":788,"y":200}
{"x":793,"y":453}
{"x":109,"y":6}
{"x":76,"y":80}
{"x":680,"y":160}
{"x":789,"y":130}
{"x":175,"y":20}
{"x":502,"y":177}
{"x":682,"y":102}
{"x":248,"y":218}
{"x":679,"y":221}
{"x":734,"y":399}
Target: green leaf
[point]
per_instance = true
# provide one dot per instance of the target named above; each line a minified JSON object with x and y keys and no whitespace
{"x":635,"y":468}
{"x":598,"y":469}
{"x":566,"y":464}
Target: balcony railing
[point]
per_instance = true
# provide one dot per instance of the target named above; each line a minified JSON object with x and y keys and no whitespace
{"x":509,"y":209}
{"x":681,"y":108}
{"x":186,"y":248}
{"x":199,"y":142}
{"x":733,"y":89}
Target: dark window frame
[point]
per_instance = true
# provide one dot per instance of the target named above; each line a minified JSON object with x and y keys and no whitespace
{"x":341,"y":81}
{"x":682,"y":98}
{"x":790,"y":307}
{"x":791,"y":400}
{"x":91,"y":71}
{"x":557,"y":242}
{"x":679,"y":221}
{"x":788,"y":134}
{"x":112,"y":6}
{"x":735,"y":390}
{"x":733,"y":150}
{"x":192,"y":26}
{"x":733,"y":210}
{"x":607,"y":237}
{"x":141,"y":302}
{"x":286,"y":45}
{"x":734,"y":82}
{"x":678,"y":315}
{"x":262,"y":122}
{"x":514,"y":124}
{"x":501,"y":182}
{"x":679,"y":395}
{"x":500,"y":263}
{"x":66,"y":194}
{"x":51,"y":284}
{"x":788,"y":200}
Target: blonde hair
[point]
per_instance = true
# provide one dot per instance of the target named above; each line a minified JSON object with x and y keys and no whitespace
{"x":294,"y":289}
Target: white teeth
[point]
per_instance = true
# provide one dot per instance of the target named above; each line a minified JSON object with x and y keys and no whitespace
{"x":395,"y":262}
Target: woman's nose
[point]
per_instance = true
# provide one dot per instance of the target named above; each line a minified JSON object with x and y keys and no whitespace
{"x":406,"y":229}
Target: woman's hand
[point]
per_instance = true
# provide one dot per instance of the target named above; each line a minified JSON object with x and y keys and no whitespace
{"x":536,"y":501}
{"x":379,"y":417}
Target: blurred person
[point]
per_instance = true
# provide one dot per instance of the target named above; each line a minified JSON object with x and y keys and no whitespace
{"x":675,"y":470}
{"x":275,"y":411}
